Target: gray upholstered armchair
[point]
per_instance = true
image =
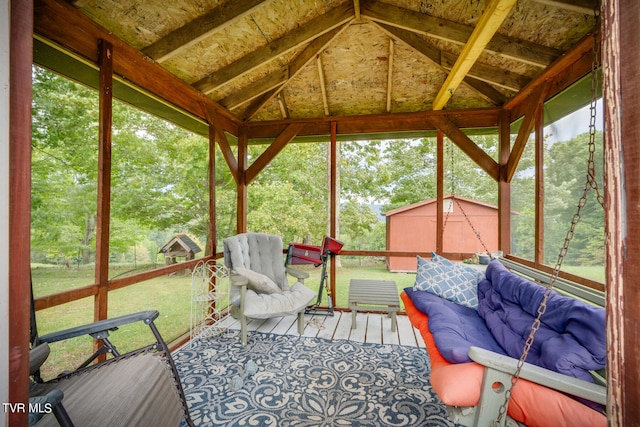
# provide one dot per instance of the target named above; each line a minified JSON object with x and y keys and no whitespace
{"x":260,"y":288}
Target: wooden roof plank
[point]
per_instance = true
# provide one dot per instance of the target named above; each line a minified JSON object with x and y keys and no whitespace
{"x":519,"y":50}
{"x":298,"y":37}
{"x":200,"y":28}
{"x":491,"y":19}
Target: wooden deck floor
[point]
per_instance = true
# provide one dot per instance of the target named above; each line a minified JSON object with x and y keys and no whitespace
{"x":370,"y":327}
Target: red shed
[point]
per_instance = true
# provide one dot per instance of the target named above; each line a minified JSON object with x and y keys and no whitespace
{"x":413,"y":228}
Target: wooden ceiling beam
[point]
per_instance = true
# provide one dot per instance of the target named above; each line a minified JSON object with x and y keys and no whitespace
{"x":492,"y":18}
{"x":255,"y":89}
{"x":524,"y":132}
{"x":518,"y":50}
{"x":490,"y":74}
{"x":486,"y":90}
{"x":290,"y":41}
{"x":469,"y":147}
{"x":564,"y":71}
{"x":62,"y":24}
{"x":323,"y":89}
{"x":295,"y":66}
{"x":200,"y":28}
{"x":272,"y":150}
{"x":378,"y":123}
{"x":441,"y":59}
{"x":223,"y":143}
{"x":390,"y":75}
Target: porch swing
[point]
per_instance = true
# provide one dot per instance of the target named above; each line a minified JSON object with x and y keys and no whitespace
{"x":499,"y":370}
{"x":547,"y":392}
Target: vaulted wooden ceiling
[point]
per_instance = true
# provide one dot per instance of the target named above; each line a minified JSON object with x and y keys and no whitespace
{"x":266,"y":60}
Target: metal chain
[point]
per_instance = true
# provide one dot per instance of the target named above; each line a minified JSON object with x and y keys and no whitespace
{"x":453,"y":193}
{"x":452,"y":184}
{"x":477,"y":233}
{"x":591,"y":184}
{"x":595,"y":84}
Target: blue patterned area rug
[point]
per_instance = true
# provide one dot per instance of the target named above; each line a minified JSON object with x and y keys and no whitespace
{"x":307,"y":382}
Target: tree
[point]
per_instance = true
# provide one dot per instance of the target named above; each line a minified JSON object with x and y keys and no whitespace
{"x":565,"y":179}
{"x":64,"y":165}
{"x":289,"y":197}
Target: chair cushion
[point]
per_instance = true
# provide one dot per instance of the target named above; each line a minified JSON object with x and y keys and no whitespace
{"x":264,"y":306}
{"x":262,"y":253}
{"x":259,"y":282}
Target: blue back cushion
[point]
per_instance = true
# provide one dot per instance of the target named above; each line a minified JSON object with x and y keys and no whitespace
{"x":571,"y":339}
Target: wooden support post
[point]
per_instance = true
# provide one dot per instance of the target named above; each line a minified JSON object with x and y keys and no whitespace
{"x":333,"y":203}
{"x":538,"y":255}
{"x":17,"y":51}
{"x":104,"y":181}
{"x":504,"y":187}
{"x":622,"y":217}
{"x":242,"y":181}
{"x":440,"y":193}
{"x":213,"y":229}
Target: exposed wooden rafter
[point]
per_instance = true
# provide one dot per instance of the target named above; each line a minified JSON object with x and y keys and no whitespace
{"x":272,"y":150}
{"x":295,"y":66}
{"x":491,"y":19}
{"x":67,"y":26}
{"x":502,"y":78}
{"x":469,"y":147}
{"x":323,"y":89}
{"x":525,"y":130}
{"x":290,"y":41}
{"x":486,"y":90}
{"x":200,"y":28}
{"x":390,"y":75}
{"x":438,"y":57}
{"x":518,"y":50}
{"x":255,"y":89}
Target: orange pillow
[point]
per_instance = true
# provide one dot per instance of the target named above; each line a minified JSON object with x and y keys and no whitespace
{"x":532,"y":404}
